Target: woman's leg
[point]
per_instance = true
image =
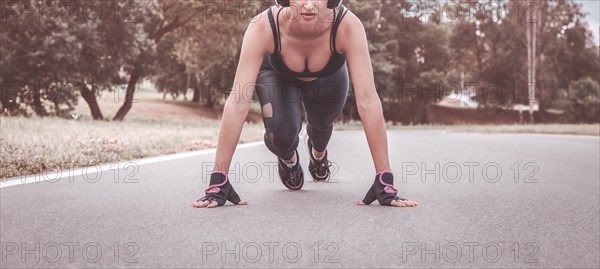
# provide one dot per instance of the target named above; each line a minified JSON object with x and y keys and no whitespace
{"x":323,"y":102}
{"x":280,"y":101}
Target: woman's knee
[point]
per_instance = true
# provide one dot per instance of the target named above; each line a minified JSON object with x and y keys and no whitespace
{"x":284,"y":136}
{"x":282,"y":144}
{"x":281,"y":131}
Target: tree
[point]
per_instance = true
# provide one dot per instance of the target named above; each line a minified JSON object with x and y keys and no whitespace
{"x":36,"y":54}
{"x":493,"y":50}
{"x":50,"y":59}
{"x":584,"y":104}
{"x":211,"y":55}
{"x":161,"y":18}
{"x":406,"y":62}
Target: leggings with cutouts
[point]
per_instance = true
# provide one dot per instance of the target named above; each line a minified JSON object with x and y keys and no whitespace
{"x":281,"y":99}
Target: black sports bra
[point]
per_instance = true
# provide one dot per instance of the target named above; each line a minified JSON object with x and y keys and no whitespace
{"x":336,"y":61}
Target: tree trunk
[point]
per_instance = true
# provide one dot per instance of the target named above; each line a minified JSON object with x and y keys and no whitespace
{"x":38,"y":108}
{"x":187,"y":87}
{"x":196,"y":96}
{"x":210,"y":103}
{"x":196,"y":88}
{"x":135,"y":75}
{"x":90,"y":98}
{"x":479,"y":57}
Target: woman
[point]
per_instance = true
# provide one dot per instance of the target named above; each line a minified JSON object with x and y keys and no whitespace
{"x":275,"y":50}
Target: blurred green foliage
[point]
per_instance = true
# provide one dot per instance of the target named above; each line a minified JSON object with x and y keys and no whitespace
{"x":418,"y":50}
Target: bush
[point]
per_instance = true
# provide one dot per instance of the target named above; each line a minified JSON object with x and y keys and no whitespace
{"x":583,"y":101}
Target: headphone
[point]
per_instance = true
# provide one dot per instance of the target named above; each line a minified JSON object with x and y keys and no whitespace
{"x":331,"y":4}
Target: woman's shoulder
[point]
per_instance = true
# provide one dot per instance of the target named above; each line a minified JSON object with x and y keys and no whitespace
{"x":259,"y":27}
{"x":349,"y":29}
{"x":261,"y":23}
{"x":349,"y":20}
{"x":262,"y":18}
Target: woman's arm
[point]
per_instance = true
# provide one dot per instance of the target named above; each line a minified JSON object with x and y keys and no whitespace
{"x":237,"y":106}
{"x":371,"y":113}
{"x":354,"y":43}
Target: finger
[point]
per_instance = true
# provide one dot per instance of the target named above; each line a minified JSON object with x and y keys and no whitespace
{"x":196,"y":204}
{"x":213,"y":204}
{"x":409,"y":203}
{"x":397,"y":203}
{"x":203,"y":204}
{"x":242,"y":202}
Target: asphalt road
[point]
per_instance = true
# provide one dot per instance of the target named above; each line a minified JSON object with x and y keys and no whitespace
{"x":486,"y":200}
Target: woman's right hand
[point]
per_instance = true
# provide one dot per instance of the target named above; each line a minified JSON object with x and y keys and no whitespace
{"x":218,"y":192}
{"x":384,"y":192}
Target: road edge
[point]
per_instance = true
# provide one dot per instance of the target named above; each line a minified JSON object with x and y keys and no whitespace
{"x":57,"y":175}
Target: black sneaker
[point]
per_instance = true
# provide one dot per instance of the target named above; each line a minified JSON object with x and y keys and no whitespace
{"x":319,"y":169}
{"x":292,"y":178}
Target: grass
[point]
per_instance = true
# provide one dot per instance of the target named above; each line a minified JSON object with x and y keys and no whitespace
{"x":157,"y":127}
{"x":35,"y":145}
{"x":564,"y":129}
{"x":152,"y":127}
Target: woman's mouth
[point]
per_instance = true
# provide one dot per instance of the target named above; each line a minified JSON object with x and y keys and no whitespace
{"x":308,"y":15}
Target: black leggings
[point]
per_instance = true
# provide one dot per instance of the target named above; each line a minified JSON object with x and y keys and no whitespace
{"x":281,"y":99}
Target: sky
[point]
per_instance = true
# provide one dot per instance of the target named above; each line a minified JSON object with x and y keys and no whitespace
{"x":592,"y":7}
